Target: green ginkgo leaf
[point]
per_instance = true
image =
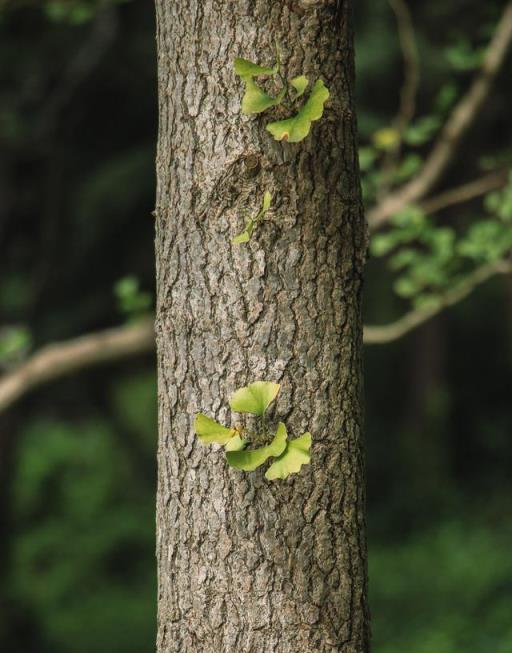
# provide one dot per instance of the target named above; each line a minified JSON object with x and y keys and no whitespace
{"x":267,"y":198}
{"x":245,"y":235}
{"x":249,"y":227}
{"x":296,"y":454}
{"x":246,"y":68}
{"x":255,"y":99}
{"x":211,"y":432}
{"x":253,"y":458}
{"x":300,"y":84}
{"x":254,"y":398}
{"x":235,"y":444}
{"x":297,"y":127}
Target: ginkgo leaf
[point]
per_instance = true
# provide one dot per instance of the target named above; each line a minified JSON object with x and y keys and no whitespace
{"x":211,"y":432}
{"x":300,"y":84}
{"x":296,"y":454}
{"x":297,"y":127}
{"x":267,"y":198}
{"x":251,"y":459}
{"x":246,"y":68}
{"x":254,"y":398}
{"x":235,"y":444}
{"x":246,"y":234}
{"x":255,"y":99}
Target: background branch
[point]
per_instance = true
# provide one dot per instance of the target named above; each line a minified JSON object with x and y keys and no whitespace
{"x":57,"y":360}
{"x":457,"y":124}
{"x":466,"y":192}
{"x":389,"y":332}
{"x":411,"y":65}
{"x":408,"y":90}
{"x":60,"y":359}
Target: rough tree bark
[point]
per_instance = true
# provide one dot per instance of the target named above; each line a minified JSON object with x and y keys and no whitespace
{"x":245,"y":564}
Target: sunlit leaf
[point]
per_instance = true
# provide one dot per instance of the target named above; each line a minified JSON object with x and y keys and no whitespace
{"x":300,"y":84}
{"x":296,"y":454}
{"x":246,"y":68}
{"x":211,"y":432}
{"x":235,"y":444}
{"x":297,"y":127}
{"x":267,"y":198}
{"x":255,"y":99}
{"x":246,"y":234}
{"x":251,"y":459}
{"x":254,"y":398}
{"x":386,"y":138}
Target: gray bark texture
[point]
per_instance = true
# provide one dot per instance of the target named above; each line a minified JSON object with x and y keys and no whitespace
{"x":248,"y":565}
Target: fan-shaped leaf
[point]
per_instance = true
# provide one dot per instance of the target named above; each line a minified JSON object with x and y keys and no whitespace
{"x":300,"y":84}
{"x":254,"y":398}
{"x":255,"y":99}
{"x":296,"y":454}
{"x":297,"y":127}
{"x":235,"y":444}
{"x":246,"y":68}
{"x":251,"y":459}
{"x":211,"y":432}
{"x":246,"y":234}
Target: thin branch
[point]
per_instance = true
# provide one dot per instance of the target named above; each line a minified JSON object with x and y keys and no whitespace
{"x":382,"y":334}
{"x":466,"y":192}
{"x":407,"y":92}
{"x":457,"y":124}
{"x":411,"y":65}
{"x":59,"y":359}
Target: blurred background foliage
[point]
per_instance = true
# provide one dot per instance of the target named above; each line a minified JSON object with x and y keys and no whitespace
{"x":78,"y":123}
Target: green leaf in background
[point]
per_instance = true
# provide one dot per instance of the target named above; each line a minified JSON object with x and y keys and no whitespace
{"x":463,"y":56}
{"x":248,"y":461}
{"x":75,"y":13}
{"x":15,"y":341}
{"x":367,"y":157}
{"x":246,"y":68}
{"x":211,"y":432}
{"x":297,"y":127}
{"x":246,"y":234}
{"x":422,"y":130}
{"x":132,"y":301}
{"x":500,"y":202}
{"x":486,"y":241}
{"x":254,"y":398}
{"x":408,"y":167}
{"x":404,"y":258}
{"x":296,"y":454}
{"x":406,"y":287}
{"x":101,"y":499}
{"x":386,"y":138}
{"x":300,"y":84}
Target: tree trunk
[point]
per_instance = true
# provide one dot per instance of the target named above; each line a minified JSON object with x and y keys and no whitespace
{"x":246,"y":564}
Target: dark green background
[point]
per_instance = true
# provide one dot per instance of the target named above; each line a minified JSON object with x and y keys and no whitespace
{"x":78,"y":123}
